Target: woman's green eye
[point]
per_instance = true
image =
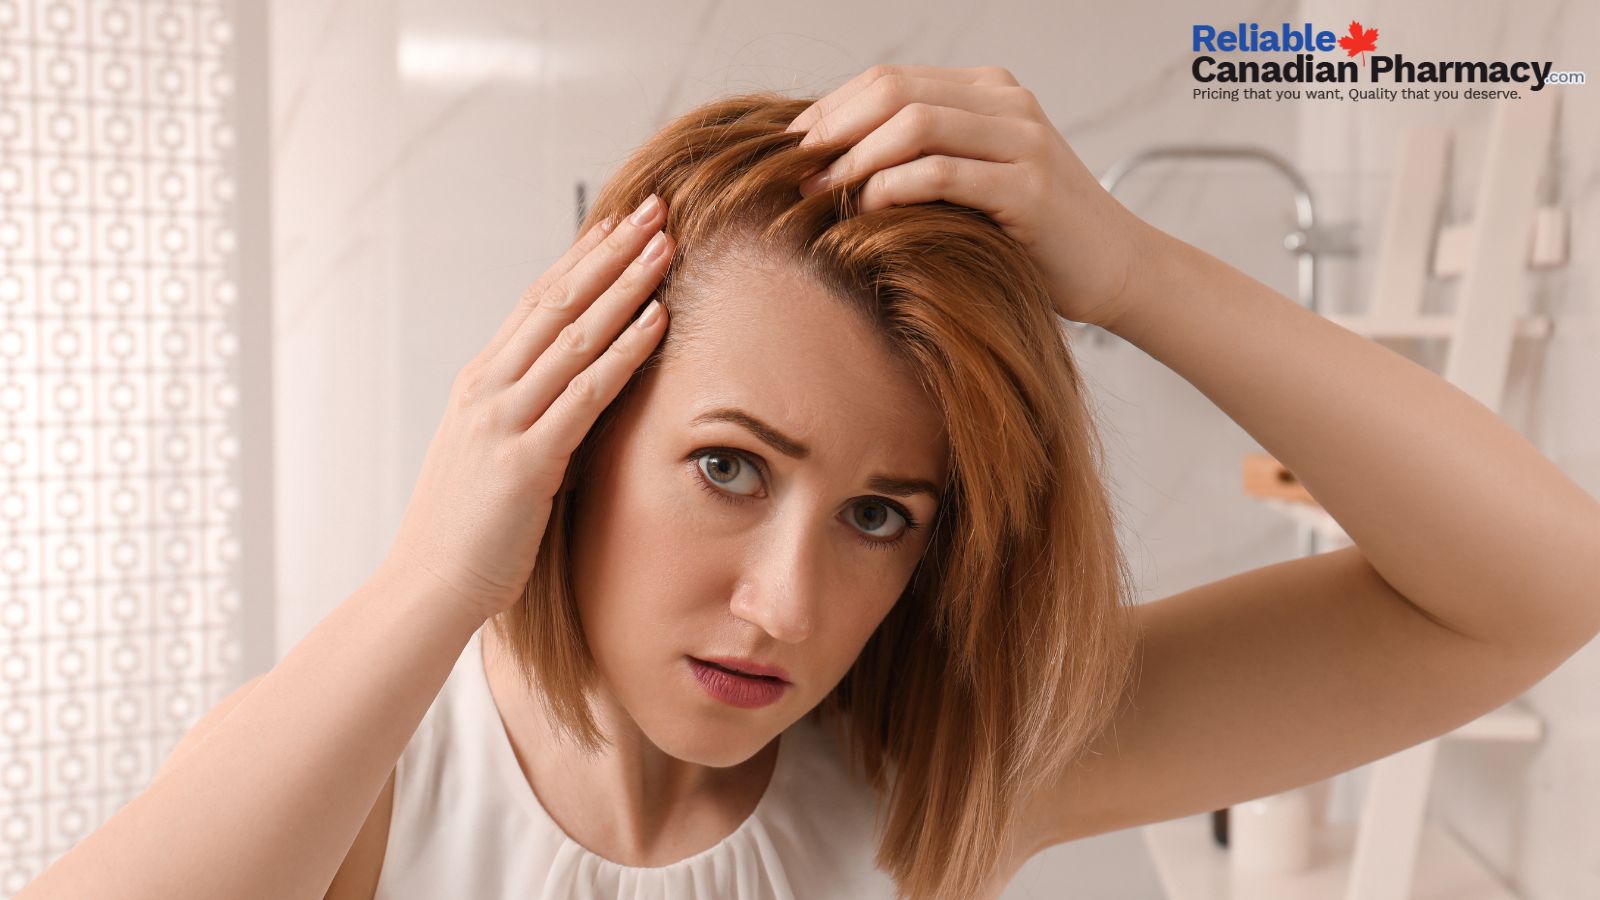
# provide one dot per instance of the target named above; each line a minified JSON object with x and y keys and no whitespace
{"x":725,"y":469}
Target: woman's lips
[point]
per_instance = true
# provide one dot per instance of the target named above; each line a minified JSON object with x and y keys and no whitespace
{"x":745,"y":667}
{"x":734,"y":689}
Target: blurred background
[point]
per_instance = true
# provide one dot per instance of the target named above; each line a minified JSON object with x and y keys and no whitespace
{"x":244,"y":249}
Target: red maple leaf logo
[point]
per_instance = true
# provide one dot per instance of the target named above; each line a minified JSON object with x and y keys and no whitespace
{"x":1360,"y":41}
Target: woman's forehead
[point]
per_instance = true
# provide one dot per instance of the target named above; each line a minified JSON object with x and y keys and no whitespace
{"x":786,"y":351}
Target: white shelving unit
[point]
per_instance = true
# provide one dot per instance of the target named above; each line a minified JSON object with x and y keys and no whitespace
{"x":1393,"y":853}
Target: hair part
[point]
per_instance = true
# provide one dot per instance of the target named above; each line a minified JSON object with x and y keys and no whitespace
{"x":1009,"y":650}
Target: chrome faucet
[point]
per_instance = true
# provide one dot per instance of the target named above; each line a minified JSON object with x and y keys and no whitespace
{"x":1308,"y":241}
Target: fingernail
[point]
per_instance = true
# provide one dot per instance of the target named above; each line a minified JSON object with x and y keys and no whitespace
{"x":646,"y":210}
{"x":650,"y":314}
{"x":654,"y":248}
{"x":607,"y":224}
{"x":814,"y":183}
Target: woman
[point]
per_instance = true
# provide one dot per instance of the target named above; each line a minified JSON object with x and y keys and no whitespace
{"x":875,"y":363}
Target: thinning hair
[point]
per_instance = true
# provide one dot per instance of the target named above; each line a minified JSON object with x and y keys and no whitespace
{"x":1009,"y":649}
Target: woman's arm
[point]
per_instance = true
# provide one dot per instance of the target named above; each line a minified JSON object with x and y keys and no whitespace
{"x":1474,"y":573}
{"x":1449,"y":504}
{"x":267,"y":803}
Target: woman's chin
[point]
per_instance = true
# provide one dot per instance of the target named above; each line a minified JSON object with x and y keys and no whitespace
{"x":711,"y":744}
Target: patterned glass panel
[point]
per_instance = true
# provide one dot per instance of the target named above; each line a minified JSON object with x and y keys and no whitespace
{"x":119,"y":438}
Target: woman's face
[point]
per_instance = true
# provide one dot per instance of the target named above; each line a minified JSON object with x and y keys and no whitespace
{"x":694,"y":537}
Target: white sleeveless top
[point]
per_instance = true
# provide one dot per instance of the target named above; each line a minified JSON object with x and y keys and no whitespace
{"x":466,"y":823}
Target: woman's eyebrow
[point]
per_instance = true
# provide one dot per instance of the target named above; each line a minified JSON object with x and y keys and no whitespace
{"x":779,"y":441}
{"x":893,"y":485}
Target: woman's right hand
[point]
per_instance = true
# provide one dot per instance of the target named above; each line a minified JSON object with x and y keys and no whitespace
{"x":519,"y":409}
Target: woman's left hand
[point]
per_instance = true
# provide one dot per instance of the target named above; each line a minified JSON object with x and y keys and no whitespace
{"x":976,"y":138}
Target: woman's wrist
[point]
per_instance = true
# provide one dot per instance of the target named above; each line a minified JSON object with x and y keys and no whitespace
{"x":420,"y":586}
{"x":1150,"y":278}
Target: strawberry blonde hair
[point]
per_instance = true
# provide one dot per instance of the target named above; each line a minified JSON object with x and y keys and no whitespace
{"x":1009,"y":650}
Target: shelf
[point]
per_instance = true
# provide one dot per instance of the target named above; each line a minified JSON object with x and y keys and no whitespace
{"x":1192,"y":867}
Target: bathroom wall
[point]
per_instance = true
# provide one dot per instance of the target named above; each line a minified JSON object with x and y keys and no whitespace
{"x":1532,"y":813}
{"x":427,"y":162}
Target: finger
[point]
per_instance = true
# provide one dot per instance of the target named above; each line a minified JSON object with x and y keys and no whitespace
{"x":990,"y":187}
{"x":919,"y":129}
{"x":887,"y":96}
{"x":838,"y":96}
{"x":530,"y":296}
{"x":809,"y":116}
{"x":558,"y":432}
{"x":570,"y":294}
{"x":577,"y":344}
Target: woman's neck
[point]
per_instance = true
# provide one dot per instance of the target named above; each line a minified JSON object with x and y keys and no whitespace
{"x":632,"y":803}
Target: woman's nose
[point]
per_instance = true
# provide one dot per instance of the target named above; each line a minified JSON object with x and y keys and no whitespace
{"x":781,"y":592}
